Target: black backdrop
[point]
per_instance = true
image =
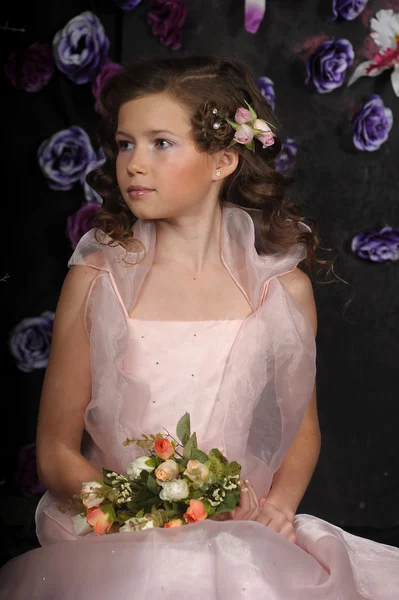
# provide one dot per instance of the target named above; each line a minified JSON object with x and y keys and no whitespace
{"x":356,"y":482}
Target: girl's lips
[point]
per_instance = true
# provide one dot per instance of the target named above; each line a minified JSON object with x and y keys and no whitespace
{"x":138,"y":193}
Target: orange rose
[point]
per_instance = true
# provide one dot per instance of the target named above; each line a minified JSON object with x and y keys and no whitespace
{"x":100,"y":518}
{"x":195,"y":512}
{"x":173,"y":523}
{"x":163,"y":448}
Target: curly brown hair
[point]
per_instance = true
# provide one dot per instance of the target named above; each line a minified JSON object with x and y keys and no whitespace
{"x":202,"y":83}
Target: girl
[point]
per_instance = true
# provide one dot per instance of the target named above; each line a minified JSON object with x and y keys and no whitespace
{"x":189,"y":298}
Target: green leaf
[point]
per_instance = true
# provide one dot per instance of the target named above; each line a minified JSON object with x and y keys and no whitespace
{"x":229,"y":501}
{"x":251,"y":110}
{"x":216,"y":469}
{"x":144,"y":476}
{"x":199,"y":455}
{"x":215,"y":452}
{"x":152,"y":485}
{"x":140,"y":514}
{"x":251,"y":145}
{"x":234,"y":125}
{"x":190,"y":446}
{"x":183,"y":430}
{"x":151,"y":462}
{"x":233,"y":468}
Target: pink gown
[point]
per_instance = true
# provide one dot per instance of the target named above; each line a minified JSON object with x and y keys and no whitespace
{"x":246,"y":383}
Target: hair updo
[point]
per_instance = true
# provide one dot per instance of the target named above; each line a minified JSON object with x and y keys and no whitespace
{"x":202,"y":84}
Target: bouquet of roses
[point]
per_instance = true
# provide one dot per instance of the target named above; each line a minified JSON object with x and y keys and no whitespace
{"x":175,"y":484}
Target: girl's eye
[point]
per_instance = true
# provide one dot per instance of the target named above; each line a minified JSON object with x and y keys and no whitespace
{"x":160,"y":143}
{"x":122,"y":145}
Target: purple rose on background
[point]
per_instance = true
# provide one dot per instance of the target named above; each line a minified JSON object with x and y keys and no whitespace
{"x":328,"y":65}
{"x":127,"y":4}
{"x":81,"y":222}
{"x":33,"y":71}
{"x":266,"y":88}
{"x":167,"y":18}
{"x":30,"y":341}
{"x":379,"y":245}
{"x":26,"y":478}
{"x":90,"y":194}
{"x":109,"y":68}
{"x":286,"y":157}
{"x":64,"y":157}
{"x":81,"y":48}
{"x":372,"y":124}
{"x":348,"y":9}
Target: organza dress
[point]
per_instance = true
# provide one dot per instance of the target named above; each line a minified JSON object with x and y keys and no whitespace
{"x":246,"y":384}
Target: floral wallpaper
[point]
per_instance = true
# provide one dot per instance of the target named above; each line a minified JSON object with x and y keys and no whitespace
{"x":80,"y":52}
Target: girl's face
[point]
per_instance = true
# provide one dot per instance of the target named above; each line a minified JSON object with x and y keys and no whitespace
{"x":157,"y":153}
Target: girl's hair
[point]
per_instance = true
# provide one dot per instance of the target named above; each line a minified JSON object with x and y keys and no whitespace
{"x":200,"y":84}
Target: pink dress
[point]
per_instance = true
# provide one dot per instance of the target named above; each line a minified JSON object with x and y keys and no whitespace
{"x":246,"y":384}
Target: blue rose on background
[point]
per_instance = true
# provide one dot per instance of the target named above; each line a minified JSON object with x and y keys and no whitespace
{"x":348,"y":9}
{"x":379,"y":245}
{"x":30,"y":341}
{"x":64,"y":157}
{"x":266,"y":88}
{"x":90,"y":194}
{"x":81,"y":48}
{"x":372,"y":124}
{"x":286,"y":157}
{"x":327,"y":66}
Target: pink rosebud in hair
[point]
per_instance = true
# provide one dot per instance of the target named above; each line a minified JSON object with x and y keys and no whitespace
{"x":244,"y":134}
{"x":242,"y":115}
{"x":267,"y":136}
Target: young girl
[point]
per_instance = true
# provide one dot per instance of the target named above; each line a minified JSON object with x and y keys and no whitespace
{"x":189,"y":298}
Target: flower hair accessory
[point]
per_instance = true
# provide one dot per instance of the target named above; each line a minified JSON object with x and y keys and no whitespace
{"x":248,"y":127}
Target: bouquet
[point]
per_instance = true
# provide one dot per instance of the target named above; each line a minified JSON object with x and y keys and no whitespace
{"x":175,"y":484}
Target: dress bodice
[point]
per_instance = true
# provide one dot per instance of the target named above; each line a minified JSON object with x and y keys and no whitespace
{"x":183,"y":363}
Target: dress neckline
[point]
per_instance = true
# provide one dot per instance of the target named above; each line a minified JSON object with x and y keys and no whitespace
{"x":188,"y":322}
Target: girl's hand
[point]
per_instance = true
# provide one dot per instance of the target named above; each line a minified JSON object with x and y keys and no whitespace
{"x":276,"y":520}
{"x":248,"y":508}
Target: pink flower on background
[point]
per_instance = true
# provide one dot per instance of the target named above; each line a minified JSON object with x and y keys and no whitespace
{"x":242,"y":116}
{"x":81,"y":222}
{"x":254,"y":13}
{"x":33,"y":70}
{"x":167,"y":18}
{"x":244,"y":134}
{"x":109,"y":69}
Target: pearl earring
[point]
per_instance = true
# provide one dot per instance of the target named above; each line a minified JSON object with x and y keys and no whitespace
{"x":218,"y":173}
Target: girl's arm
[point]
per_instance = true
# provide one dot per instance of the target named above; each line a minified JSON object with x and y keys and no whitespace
{"x":66,"y":393}
{"x":292,"y":478}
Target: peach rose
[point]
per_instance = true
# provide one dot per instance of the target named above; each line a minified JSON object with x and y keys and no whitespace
{"x":195,"y":512}
{"x":173,"y":523}
{"x":167,"y":471}
{"x":197,"y":472}
{"x":100,"y":518}
{"x":163,"y":448}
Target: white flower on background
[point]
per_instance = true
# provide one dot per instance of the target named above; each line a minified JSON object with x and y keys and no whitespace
{"x":385,"y":33}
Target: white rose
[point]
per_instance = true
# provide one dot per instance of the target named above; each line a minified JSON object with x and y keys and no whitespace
{"x":92,"y":500}
{"x":135,"y":524}
{"x":80,"y":525}
{"x":167,"y":471}
{"x":138,"y":465}
{"x":174,"y":490}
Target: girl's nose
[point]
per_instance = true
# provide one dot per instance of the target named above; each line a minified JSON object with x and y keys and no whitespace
{"x":137,"y":164}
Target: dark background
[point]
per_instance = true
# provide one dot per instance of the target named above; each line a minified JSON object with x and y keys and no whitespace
{"x":356,"y":482}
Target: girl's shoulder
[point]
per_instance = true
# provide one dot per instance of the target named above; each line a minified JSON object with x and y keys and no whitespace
{"x":300,"y":287}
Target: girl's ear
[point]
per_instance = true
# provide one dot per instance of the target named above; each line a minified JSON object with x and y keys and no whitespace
{"x":226,"y":161}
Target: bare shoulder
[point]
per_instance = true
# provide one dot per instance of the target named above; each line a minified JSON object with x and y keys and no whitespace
{"x":301,"y":288}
